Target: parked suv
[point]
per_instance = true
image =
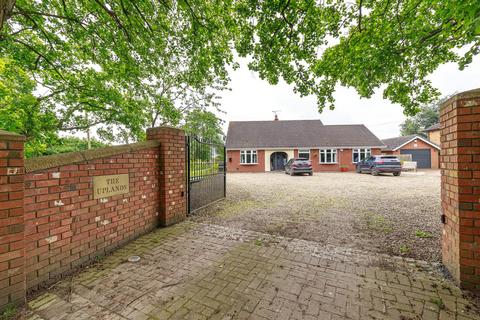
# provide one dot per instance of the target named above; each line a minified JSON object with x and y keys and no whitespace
{"x":380,"y":164}
{"x":295,"y":166}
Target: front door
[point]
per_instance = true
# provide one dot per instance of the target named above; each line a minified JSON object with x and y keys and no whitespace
{"x":278,"y":160}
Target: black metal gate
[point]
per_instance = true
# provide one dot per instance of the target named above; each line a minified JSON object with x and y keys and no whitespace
{"x":206,"y":172}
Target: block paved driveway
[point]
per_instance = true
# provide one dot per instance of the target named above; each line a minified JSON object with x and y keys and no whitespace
{"x":203,"y":270}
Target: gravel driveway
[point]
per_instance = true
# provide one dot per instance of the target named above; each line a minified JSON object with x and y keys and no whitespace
{"x":386,"y":214}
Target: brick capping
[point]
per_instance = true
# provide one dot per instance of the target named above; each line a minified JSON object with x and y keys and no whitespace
{"x":56,"y":160}
{"x":7,"y":135}
{"x":474,"y":93}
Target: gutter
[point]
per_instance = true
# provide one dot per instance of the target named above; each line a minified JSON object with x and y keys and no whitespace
{"x":316,"y":147}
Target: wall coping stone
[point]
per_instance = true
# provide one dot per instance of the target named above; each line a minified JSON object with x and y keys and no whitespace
{"x":7,"y":135}
{"x":61,"y":159}
{"x":475,"y":93}
{"x":164,"y":128}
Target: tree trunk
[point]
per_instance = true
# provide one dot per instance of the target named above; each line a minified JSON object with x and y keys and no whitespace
{"x":6,"y":7}
{"x":89,"y":143}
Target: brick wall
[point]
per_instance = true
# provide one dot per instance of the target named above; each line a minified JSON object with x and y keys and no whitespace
{"x":53,"y":224}
{"x":434,"y":136}
{"x":12,"y":260}
{"x":460,"y":167}
{"x":172,"y":174}
{"x":66,"y":228}
{"x":343,"y":157}
{"x":233,"y":162}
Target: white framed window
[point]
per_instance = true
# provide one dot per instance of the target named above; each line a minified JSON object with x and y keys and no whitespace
{"x":304,"y":154}
{"x":248,"y":156}
{"x":360,"y":154}
{"x":328,"y":155}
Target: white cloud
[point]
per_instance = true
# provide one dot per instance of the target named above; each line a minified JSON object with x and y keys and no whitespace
{"x":254,"y":99}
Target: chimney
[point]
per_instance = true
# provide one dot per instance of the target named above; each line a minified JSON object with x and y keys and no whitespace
{"x":276,"y":117}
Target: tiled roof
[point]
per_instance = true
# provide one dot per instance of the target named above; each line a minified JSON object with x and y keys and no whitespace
{"x":433,"y":127}
{"x":297,"y":133}
{"x":395,"y":143}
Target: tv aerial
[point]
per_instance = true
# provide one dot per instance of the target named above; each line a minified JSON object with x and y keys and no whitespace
{"x":275,"y":112}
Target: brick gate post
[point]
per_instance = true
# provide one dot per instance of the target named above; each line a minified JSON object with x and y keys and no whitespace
{"x":12,"y":244}
{"x":173,"y":207}
{"x":460,"y":167}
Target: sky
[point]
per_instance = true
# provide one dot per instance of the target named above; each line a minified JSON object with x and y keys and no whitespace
{"x":252,"y":98}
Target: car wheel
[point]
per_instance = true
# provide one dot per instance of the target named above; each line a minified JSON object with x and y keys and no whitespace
{"x":396,"y":174}
{"x":310,"y":173}
{"x":374,"y":172}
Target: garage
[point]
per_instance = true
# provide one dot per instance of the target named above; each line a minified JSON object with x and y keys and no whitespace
{"x":424,"y":152}
{"x":421,"y":156}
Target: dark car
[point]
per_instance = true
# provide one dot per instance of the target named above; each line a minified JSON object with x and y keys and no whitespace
{"x":380,"y":164}
{"x":295,"y":166}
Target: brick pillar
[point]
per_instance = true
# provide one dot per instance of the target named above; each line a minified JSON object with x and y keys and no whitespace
{"x":173,"y":207}
{"x":12,"y":245}
{"x":460,"y":166}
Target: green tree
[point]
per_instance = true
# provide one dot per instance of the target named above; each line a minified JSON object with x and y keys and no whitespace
{"x":207,"y":127}
{"x":426,"y":117}
{"x":20,"y":110}
{"x":119,"y":65}
{"x":409,"y":127}
{"x":363,"y":44}
{"x":64,"y":144}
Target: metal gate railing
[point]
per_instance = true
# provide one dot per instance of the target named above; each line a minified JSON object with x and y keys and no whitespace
{"x":206,"y":172}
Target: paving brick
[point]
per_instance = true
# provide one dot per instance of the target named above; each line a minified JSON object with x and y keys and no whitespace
{"x":167,"y":284}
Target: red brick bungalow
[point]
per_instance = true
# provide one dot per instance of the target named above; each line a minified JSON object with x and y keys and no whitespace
{"x":259,"y":146}
{"x":423,"y":151}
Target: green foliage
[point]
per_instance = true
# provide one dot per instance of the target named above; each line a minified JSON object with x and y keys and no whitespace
{"x":205,"y":125}
{"x":438,"y":302}
{"x":427,"y":116}
{"x":15,"y":87}
{"x":377,"y":223}
{"x":19,"y":109}
{"x":404,"y":249}
{"x":199,"y":168}
{"x":409,"y":127}
{"x":423,"y":234}
{"x":366,"y":45}
{"x":121,"y":67}
{"x":61,"y":145}
{"x":118,"y":68}
{"x":9,"y":312}
{"x":258,"y":242}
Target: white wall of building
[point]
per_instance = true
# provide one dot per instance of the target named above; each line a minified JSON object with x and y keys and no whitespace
{"x":268,"y":153}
